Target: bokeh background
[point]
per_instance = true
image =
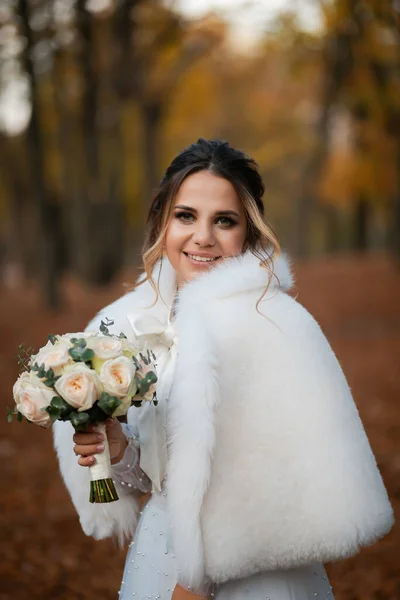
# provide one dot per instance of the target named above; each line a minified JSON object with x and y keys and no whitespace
{"x":96,"y":98}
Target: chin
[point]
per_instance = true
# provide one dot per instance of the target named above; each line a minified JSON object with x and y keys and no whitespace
{"x":191,"y":275}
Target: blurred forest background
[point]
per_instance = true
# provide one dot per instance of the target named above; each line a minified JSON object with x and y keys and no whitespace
{"x":96,"y":98}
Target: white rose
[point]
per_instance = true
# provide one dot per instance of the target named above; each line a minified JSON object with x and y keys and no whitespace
{"x":79,"y":335}
{"x":118,"y":377}
{"x":106,"y":347}
{"x":129,"y":348}
{"x":31,"y":395}
{"x":80,"y":387}
{"x":54,"y":356}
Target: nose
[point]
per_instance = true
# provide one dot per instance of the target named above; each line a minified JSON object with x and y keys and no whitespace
{"x":203,"y":235}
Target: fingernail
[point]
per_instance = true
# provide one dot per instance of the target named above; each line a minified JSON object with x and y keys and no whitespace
{"x":100,"y":437}
{"x":100,"y":447}
{"x":92,"y":460}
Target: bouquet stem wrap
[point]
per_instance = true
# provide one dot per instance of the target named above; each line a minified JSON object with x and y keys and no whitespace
{"x":102,"y":488}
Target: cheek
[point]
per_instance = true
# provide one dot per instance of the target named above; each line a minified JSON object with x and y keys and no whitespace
{"x":232,"y":241}
{"x":175,"y":239}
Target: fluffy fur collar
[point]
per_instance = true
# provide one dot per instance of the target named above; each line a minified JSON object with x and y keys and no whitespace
{"x":234,"y":275}
{"x":268,"y":462}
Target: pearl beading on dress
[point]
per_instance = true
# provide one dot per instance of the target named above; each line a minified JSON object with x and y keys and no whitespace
{"x":151,"y":571}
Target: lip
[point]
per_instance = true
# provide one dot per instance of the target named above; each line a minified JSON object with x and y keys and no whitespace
{"x":202,"y":254}
{"x":201,"y":264}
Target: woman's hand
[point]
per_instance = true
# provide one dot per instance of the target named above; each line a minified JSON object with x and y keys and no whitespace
{"x":181,"y":593}
{"x":90,"y":443}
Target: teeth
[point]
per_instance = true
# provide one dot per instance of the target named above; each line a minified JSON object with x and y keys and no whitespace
{"x":202,"y":258}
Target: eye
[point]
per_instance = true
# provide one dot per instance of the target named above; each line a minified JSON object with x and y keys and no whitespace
{"x":226,"y":221}
{"x":185,"y":217}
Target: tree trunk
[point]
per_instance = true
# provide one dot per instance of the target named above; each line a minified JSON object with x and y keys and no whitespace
{"x":333,"y":241}
{"x":337,"y":66}
{"x":361,"y":216}
{"x":48,"y":233}
{"x":90,"y":94}
{"x":16,"y":247}
{"x":124,"y":73}
{"x":151,"y":120}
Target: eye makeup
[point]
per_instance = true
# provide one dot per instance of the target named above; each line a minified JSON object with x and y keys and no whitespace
{"x":188,"y":216}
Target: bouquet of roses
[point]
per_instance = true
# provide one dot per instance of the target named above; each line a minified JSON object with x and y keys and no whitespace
{"x":85,"y":378}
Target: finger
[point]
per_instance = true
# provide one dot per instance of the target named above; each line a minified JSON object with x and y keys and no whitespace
{"x":87,"y":450}
{"x":91,"y":427}
{"x":112,"y":424}
{"x":88,"y":438}
{"x":86,"y":461}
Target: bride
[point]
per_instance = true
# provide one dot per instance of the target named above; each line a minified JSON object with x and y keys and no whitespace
{"x":255,"y":461}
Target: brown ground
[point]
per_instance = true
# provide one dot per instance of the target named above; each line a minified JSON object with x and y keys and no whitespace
{"x":45,"y":555}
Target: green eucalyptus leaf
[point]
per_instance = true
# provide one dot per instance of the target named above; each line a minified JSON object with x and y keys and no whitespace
{"x":52,"y":338}
{"x":81,"y":342}
{"x":79,"y":420}
{"x":151,"y":377}
{"x":10,"y":417}
{"x":143,"y":386}
{"x":137,"y":403}
{"x":88,"y":354}
{"x":144,"y":358}
{"x":61,"y":405}
{"x":103,"y":329}
{"x":75,"y":353}
{"x":108,"y":403}
{"x":19,"y":416}
{"x":41,"y":371}
{"x":96,"y":414}
{"x":54,"y":413}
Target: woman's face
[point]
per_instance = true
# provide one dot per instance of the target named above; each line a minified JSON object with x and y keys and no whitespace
{"x":208,"y":224}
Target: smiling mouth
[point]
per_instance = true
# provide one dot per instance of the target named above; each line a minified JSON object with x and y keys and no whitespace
{"x":202,"y":259}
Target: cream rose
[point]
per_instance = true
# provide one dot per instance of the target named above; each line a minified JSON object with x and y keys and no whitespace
{"x":80,"y":387}
{"x":129,"y":348}
{"x":31,"y":396}
{"x":54,"y":356}
{"x":106,"y":347}
{"x":118,"y":377}
{"x":86,"y":335}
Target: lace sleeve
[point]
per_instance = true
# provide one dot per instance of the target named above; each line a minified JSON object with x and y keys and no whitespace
{"x":127,"y":472}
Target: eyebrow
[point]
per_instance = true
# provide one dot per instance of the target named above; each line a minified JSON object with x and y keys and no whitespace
{"x":219,"y":213}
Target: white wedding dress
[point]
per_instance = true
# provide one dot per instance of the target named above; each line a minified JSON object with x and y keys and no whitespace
{"x":150,"y":569}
